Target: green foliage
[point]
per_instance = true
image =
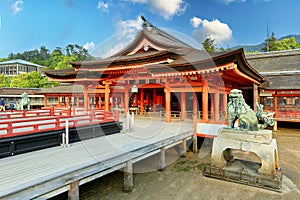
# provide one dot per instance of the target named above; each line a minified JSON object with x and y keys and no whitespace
{"x":57,"y":59}
{"x":4,"y":80}
{"x":272,"y":44}
{"x":31,"y":80}
{"x":209,"y":45}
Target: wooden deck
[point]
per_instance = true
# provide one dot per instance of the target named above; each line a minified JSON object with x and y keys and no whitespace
{"x":46,"y":173}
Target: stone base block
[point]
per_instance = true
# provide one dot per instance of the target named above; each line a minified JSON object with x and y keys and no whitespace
{"x":244,"y":177}
{"x":261,"y":136}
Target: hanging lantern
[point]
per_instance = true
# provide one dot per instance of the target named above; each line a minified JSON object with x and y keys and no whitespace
{"x":134,"y":89}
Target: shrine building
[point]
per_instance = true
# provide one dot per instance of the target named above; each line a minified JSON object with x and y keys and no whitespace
{"x":158,"y":72}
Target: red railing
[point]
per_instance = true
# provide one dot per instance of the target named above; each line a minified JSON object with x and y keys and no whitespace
{"x":34,"y":122}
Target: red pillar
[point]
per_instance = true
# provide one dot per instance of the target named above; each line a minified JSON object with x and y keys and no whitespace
{"x":217,"y":106}
{"x":142,"y":109}
{"x":183,"y":105}
{"x":106,"y":97}
{"x":45,"y":100}
{"x":154,"y":100}
{"x":85,"y":98}
{"x":204,"y":101}
{"x":126,"y":100}
{"x":168,"y":103}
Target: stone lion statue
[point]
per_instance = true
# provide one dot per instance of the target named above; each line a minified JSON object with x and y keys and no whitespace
{"x":23,"y":102}
{"x":238,"y":109}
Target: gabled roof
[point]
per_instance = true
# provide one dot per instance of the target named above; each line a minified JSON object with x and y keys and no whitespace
{"x":157,"y":39}
{"x":19,"y":61}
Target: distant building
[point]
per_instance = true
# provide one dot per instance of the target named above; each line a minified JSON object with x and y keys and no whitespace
{"x":16,"y":67}
{"x":281,"y":91}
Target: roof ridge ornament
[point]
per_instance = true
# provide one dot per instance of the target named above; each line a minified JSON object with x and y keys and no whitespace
{"x":148,"y":26}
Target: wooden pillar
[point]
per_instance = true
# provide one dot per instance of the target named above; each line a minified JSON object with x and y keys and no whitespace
{"x":86,"y":99}
{"x":275,"y":103}
{"x":255,"y":96}
{"x":154,"y":100}
{"x":183,"y":148}
{"x":58,"y":101}
{"x":212,"y":106}
{"x":195,"y":121}
{"x":73,"y":193}
{"x":126,"y":100}
{"x":106,"y":97}
{"x":128,"y":176}
{"x":204,"y":101}
{"x":142,"y":108}
{"x":78,"y":101}
{"x":45,"y":100}
{"x":162,"y":159}
{"x":225,"y":104}
{"x":168,"y":103}
{"x":183,"y":105}
{"x":217,"y":106}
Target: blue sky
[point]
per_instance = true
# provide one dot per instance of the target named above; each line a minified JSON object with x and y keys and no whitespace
{"x":29,"y":24}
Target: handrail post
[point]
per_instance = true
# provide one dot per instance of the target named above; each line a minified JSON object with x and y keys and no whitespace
{"x":9,"y":128}
{"x":52,"y":111}
{"x":67,"y":133}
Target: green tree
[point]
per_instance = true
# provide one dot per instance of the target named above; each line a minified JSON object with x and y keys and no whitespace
{"x":287,"y":43}
{"x":270,"y":43}
{"x":4,"y":80}
{"x":209,"y":45}
{"x":19,"y":81}
{"x":31,"y":80}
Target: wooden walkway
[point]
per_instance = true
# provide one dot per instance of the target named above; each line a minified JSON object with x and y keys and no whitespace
{"x":46,"y":173}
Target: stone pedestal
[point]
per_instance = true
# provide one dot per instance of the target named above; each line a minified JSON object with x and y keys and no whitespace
{"x":260,"y":144}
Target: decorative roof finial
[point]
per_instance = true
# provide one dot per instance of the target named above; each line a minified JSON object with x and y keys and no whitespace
{"x":143,"y":18}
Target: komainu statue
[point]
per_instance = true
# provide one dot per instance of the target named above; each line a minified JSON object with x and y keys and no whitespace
{"x":24,"y":102}
{"x":249,"y":120}
{"x":238,"y":109}
{"x":246,"y":154}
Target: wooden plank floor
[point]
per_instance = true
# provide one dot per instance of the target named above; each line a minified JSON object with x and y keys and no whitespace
{"x":33,"y":174}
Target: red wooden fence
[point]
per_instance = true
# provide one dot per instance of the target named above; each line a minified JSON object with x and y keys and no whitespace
{"x":28,"y":122}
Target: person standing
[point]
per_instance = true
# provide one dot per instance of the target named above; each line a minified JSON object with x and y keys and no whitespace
{"x":2,"y":104}
{"x":12,"y":104}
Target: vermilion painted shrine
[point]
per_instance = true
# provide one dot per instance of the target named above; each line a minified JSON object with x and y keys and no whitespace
{"x":168,"y":74}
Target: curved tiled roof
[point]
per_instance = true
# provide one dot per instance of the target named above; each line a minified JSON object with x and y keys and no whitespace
{"x":281,"y":68}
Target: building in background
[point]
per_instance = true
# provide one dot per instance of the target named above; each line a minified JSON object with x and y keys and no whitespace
{"x":16,"y":67}
{"x":281,"y":92}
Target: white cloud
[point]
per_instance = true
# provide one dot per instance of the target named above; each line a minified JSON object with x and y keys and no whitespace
{"x":89,"y":46}
{"x":17,"y":6}
{"x":115,"y":49}
{"x":195,"y":21}
{"x":102,"y":6}
{"x":214,"y":29}
{"x":168,"y":8}
{"x":129,"y":28}
{"x":165,"y":8}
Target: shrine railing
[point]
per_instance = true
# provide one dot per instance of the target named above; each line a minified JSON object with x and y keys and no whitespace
{"x":14,"y":125}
